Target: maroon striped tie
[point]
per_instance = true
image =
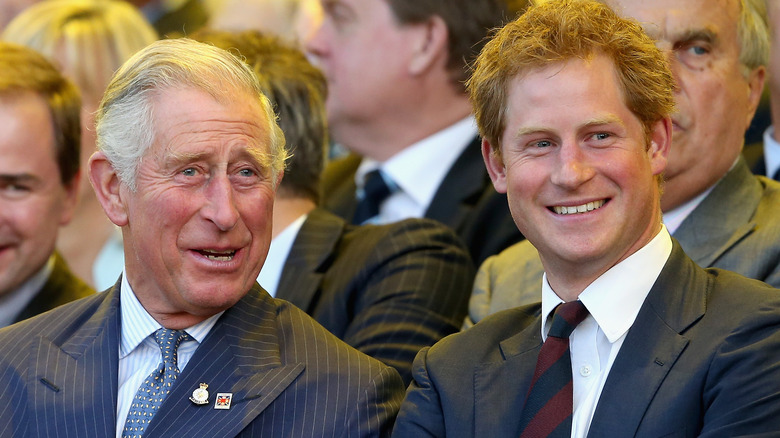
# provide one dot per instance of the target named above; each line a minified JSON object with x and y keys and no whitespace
{"x":548,"y":405}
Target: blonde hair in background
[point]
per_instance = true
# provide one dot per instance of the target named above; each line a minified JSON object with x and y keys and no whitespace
{"x":88,"y":39}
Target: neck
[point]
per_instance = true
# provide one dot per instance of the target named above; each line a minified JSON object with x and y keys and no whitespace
{"x":287,"y":209}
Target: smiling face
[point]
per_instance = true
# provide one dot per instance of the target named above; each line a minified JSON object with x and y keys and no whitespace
{"x":715,"y":101}
{"x":33,"y":201}
{"x":198,"y":226}
{"x":577,"y":169}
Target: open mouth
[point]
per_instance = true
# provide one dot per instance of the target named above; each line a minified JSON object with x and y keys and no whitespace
{"x":218,"y":256}
{"x":578,"y":209}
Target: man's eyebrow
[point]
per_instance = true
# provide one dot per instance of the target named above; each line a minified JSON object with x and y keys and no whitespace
{"x":10,"y":178}
{"x":690,"y":35}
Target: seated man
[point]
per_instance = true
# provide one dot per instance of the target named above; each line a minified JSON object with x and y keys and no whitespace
{"x":386,"y":290}
{"x":718,"y":58}
{"x":187,"y":344}
{"x":39,"y":175}
{"x":574,"y":104}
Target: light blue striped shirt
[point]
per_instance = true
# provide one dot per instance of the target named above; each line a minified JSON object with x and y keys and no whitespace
{"x":139,"y":354}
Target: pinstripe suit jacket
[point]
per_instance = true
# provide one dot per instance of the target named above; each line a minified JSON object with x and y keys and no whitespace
{"x":61,"y":287}
{"x":386,"y":290}
{"x":736,"y":227}
{"x":289,"y":376}
{"x":465,"y":201}
{"x":700,"y":360}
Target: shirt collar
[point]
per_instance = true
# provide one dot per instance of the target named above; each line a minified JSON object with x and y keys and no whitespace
{"x":614,"y":299}
{"x":432,"y":157}
{"x":277,"y":256}
{"x":137,"y":324}
{"x":14,"y":302}
{"x":771,"y":152}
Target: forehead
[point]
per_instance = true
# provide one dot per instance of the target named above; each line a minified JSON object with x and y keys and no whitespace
{"x":573,"y":91}
{"x":670,"y":20}
{"x":191,"y":119}
{"x":26,"y":131}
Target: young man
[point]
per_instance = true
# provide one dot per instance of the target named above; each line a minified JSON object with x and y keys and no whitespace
{"x":632,"y":338}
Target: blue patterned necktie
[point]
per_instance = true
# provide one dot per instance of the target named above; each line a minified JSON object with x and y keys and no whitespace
{"x":152,"y":392}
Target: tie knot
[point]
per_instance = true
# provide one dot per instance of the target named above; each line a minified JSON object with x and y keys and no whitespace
{"x":566,"y":318}
{"x":375,"y":191}
{"x":169,"y":341}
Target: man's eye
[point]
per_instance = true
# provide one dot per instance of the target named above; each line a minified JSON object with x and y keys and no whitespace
{"x":542,"y":143}
{"x":188,"y":172}
{"x":601,"y":136}
{"x":698,"y":50}
{"x":246,"y":172}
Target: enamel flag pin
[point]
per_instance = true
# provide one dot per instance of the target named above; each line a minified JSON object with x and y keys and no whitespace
{"x":200,"y":396}
{"x":223,"y":400}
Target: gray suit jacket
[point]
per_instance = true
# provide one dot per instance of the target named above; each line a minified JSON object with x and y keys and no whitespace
{"x":288,"y":376}
{"x":701,"y":359}
{"x":386,"y":290}
{"x":736,"y":227}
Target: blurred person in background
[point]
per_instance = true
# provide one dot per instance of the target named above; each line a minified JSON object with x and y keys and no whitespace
{"x":39,"y":178}
{"x":88,"y":40}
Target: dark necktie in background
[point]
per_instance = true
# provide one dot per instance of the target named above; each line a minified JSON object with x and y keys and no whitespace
{"x":375,"y":191}
{"x":776,"y":176}
{"x":548,"y":406}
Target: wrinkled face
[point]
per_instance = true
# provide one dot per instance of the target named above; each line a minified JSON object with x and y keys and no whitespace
{"x":198,"y":225}
{"x":577,"y":168}
{"x":715,"y":101}
{"x":364,"y":54}
{"x":33,"y":201}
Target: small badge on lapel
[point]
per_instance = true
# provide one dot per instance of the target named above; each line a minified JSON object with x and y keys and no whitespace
{"x":200,"y":396}
{"x":223,"y":400}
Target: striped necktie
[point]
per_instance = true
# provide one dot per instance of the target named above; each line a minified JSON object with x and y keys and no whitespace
{"x":548,"y":405}
{"x":152,"y":392}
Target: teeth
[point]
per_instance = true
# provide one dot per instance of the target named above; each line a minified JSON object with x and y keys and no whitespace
{"x":590,"y":206}
{"x":219,"y":256}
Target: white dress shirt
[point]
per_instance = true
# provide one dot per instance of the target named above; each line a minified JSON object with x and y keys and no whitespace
{"x":613,"y":300}
{"x":277,"y":256}
{"x":418,"y":171}
{"x":139,"y":353}
{"x":12,"y":303}
{"x":771,"y":152}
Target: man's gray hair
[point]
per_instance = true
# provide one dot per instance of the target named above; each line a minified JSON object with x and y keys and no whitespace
{"x":125,"y":118}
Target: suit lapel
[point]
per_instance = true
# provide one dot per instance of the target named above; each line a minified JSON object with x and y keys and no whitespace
{"x":461,"y":188}
{"x":308,"y":259}
{"x":338,"y":186}
{"x":494,"y":414}
{"x":240,"y":356}
{"x":651,"y":348}
{"x":79,"y":378}
{"x":710,"y":230}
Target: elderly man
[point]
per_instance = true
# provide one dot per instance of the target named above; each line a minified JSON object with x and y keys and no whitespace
{"x":721,"y":214}
{"x":39,"y":175}
{"x":387,"y":290}
{"x":186,"y":343}
{"x":574,"y":103}
{"x":395,"y":71}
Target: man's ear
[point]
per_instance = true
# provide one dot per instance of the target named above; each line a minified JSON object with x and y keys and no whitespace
{"x":660,"y":143}
{"x":495,"y":166}
{"x":430,"y":45}
{"x":106,"y":184}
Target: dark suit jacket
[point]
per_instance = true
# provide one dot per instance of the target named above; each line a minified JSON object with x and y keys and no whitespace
{"x":754,"y":157}
{"x":465,"y":201}
{"x":701,"y":359}
{"x":386,"y":290}
{"x":736,"y":227}
{"x":61,"y":287}
{"x":288,"y":376}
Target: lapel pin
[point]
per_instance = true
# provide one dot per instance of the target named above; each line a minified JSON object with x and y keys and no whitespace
{"x":223,"y":400}
{"x":200,"y":396}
